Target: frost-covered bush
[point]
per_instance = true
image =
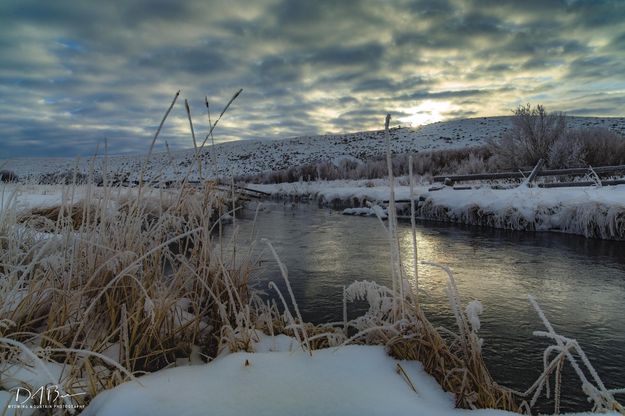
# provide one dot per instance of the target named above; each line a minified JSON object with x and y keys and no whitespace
{"x":475,"y":163}
{"x":601,"y":146}
{"x":533,"y":133}
{"x":594,"y":146}
{"x":566,"y":152}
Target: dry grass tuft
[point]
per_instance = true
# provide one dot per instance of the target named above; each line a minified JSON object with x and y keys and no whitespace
{"x":44,"y":218}
{"x":140,"y":284}
{"x":459,"y":370}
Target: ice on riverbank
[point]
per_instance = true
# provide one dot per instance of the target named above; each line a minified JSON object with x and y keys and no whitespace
{"x":352,"y":193}
{"x":366,"y":212}
{"x":597,"y":212}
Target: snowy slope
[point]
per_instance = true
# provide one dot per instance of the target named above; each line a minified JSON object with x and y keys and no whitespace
{"x":256,"y":156}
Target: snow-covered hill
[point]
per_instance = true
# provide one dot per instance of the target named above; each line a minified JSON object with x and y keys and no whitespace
{"x":256,"y":156}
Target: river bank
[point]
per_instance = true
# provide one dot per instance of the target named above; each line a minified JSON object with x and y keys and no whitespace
{"x":593,"y":212}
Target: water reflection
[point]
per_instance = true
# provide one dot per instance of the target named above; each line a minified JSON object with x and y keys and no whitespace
{"x":579,"y":283}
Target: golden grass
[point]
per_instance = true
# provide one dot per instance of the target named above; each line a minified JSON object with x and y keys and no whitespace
{"x":460,"y":372}
{"x":142,"y":280}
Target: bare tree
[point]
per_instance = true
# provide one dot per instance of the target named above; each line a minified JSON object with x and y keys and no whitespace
{"x":533,"y":133}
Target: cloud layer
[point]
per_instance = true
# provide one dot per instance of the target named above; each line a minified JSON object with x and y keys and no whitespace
{"x":74,"y":73}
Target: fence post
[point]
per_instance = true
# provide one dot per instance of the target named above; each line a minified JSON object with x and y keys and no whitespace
{"x":535,"y":171}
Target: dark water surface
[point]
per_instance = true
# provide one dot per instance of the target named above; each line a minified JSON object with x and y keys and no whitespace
{"x":580,"y":283}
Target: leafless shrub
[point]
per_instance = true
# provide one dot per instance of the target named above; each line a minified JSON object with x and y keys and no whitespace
{"x":601,"y":146}
{"x":532,"y":136}
{"x":587,"y":146}
{"x":566,"y":152}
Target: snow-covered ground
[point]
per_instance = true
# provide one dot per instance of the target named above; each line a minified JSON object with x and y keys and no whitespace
{"x":350,"y":380}
{"x":257,"y":156}
{"x":24,"y":197}
{"x":597,"y":212}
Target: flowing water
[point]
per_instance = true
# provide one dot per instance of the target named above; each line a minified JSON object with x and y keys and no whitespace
{"x":579,"y":283}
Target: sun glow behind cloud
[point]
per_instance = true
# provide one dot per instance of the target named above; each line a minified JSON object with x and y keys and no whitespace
{"x":427,"y":112}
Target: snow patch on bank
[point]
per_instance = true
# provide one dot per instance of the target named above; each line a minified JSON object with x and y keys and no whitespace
{"x":597,"y":212}
{"x":354,"y":193}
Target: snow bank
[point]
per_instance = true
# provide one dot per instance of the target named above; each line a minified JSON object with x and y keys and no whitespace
{"x":597,"y":212}
{"x":27,"y":197}
{"x":353,"y":193}
{"x":352,"y":380}
{"x":23,"y":198}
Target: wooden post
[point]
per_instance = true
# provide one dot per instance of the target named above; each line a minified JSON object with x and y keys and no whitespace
{"x":535,"y":171}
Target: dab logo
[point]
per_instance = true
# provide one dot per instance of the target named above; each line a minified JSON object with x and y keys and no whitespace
{"x":50,"y":396}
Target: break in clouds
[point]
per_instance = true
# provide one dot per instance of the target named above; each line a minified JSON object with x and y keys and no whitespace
{"x":74,"y":73}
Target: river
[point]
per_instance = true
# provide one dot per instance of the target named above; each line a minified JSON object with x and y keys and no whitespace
{"x":579,"y":283}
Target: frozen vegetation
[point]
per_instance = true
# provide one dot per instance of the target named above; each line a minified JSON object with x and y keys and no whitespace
{"x":128,"y":308}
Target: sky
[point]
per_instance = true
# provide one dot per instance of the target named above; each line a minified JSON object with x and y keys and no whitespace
{"x":76,"y":73}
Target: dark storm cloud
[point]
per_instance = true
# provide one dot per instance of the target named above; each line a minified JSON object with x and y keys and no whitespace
{"x":201,"y":60}
{"x":349,"y":56}
{"x":598,"y":67}
{"x":74,"y":73}
{"x":431,"y":9}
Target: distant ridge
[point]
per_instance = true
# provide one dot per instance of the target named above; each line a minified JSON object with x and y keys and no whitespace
{"x":256,"y":156}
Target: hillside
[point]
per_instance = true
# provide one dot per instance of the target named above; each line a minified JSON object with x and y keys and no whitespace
{"x":256,"y":156}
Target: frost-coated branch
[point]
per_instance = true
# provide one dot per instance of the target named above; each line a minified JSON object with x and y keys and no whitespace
{"x":602,"y":397}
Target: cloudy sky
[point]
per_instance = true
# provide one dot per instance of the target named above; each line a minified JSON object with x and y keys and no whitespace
{"x":73,"y":73}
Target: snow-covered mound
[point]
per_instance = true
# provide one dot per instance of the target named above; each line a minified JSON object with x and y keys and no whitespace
{"x":352,"y":380}
{"x":257,"y":156}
